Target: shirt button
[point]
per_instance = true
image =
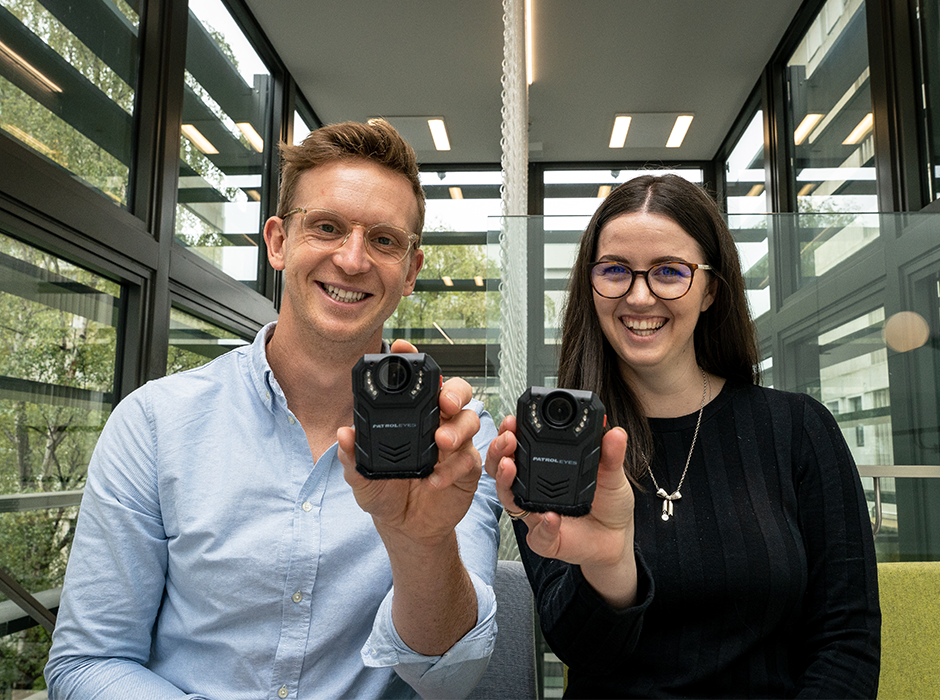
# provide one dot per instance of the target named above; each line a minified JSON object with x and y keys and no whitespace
{"x":307,"y":507}
{"x":297,"y":597}
{"x":282,"y":691}
{"x":291,"y":420}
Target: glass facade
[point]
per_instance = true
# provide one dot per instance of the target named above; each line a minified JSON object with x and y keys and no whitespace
{"x":58,"y":339}
{"x":68,"y":80}
{"x":746,"y":192}
{"x":226,"y":123}
{"x":830,"y":113}
{"x":193,"y":342}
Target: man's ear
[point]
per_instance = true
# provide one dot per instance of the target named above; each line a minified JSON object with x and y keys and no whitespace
{"x":275,"y":239}
{"x":414,"y":267}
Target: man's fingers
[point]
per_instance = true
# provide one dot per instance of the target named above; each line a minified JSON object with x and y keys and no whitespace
{"x":402,"y":347}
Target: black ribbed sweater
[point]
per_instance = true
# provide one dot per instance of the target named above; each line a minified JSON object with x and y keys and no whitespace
{"x":762,"y":585}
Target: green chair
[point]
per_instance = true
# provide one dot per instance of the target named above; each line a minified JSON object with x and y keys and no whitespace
{"x":910,"y":630}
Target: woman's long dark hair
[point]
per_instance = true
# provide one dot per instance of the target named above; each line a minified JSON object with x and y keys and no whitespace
{"x":725,"y":342}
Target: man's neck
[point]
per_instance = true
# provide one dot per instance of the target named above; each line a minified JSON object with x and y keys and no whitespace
{"x":315,"y":374}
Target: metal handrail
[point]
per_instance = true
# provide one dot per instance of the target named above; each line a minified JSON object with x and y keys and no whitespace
{"x":896,"y":471}
{"x":19,"y":502}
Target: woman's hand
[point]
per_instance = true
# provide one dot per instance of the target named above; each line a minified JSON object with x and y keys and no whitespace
{"x":601,"y":543}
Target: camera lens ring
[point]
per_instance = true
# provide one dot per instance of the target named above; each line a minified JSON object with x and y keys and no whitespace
{"x":559,"y":409}
{"x":393,"y":375}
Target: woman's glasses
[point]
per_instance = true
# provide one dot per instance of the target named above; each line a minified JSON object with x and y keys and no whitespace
{"x":667,"y":281}
{"x":328,"y":230}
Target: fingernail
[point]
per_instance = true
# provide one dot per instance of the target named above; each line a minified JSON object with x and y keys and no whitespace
{"x":434,"y":480}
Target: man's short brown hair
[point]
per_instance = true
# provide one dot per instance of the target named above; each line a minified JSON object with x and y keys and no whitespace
{"x":376,"y":141}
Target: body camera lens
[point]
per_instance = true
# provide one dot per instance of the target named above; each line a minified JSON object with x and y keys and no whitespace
{"x":559,"y":409}
{"x":394,"y":374}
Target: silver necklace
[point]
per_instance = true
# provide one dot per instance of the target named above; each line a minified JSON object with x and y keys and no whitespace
{"x":669,"y":498}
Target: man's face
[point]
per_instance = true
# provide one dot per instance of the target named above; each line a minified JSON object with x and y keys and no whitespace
{"x":344,"y":295}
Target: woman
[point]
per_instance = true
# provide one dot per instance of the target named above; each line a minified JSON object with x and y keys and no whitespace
{"x":740,"y":563}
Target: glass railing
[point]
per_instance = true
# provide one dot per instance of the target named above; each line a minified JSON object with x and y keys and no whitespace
{"x":847,"y":308}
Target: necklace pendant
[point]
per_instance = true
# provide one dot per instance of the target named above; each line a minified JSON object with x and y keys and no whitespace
{"x":668,"y":498}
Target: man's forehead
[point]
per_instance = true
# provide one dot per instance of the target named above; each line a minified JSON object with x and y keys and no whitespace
{"x":360,"y":185}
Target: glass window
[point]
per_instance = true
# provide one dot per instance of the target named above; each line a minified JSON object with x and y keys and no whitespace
{"x":226,"y":117}
{"x":928,"y":17}
{"x":744,"y":171}
{"x":193,"y":342}
{"x":68,"y":76}
{"x":58,"y":332}
{"x":451,"y":298}
{"x":830,"y":112}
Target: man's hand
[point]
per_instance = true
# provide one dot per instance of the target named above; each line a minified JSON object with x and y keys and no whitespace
{"x":435,"y":602}
{"x":424,"y":510}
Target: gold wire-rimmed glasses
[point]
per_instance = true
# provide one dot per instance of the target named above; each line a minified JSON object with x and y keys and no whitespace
{"x":329,"y":230}
{"x":668,"y":281}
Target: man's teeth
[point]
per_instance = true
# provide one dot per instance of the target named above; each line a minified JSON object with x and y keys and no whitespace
{"x":342,"y":294}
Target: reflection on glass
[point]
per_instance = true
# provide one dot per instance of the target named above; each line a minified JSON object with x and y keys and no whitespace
{"x":58,"y":330}
{"x":744,"y":171}
{"x":449,"y":304}
{"x":193,"y":342}
{"x":226,"y":115}
{"x":830,"y":113}
{"x":750,"y":234}
{"x":67,"y":80}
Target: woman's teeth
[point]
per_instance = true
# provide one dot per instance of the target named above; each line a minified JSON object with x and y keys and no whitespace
{"x":645,"y":327}
{"x":342,"y":294}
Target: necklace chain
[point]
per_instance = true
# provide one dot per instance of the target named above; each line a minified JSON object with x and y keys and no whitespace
{"x":669,"y":498}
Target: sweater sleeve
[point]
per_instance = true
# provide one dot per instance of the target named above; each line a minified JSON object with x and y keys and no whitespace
{"x":842,"y":619}
{"x":580,"y":627}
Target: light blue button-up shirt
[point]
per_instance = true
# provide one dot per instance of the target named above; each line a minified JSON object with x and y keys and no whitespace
{"x":214,"y":559}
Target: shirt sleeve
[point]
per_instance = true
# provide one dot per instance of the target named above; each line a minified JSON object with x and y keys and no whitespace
{"x":842,"y":618}
{"x":116,"y":572}
{"x":457,"y":671}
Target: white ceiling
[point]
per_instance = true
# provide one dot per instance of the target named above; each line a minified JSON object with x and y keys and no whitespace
{"x":355,"y":59}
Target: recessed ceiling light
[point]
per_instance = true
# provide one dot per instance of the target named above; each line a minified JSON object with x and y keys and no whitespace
{"x":478,"y":281}
{"x":679,"y":130}
{"x":806,"y":128}
{"x":455,"y":192}
{"x":441,"y":331}
{"x":448,"y":282}
{"x":28,"y":139}
{"x":439,"y":134}
{"x":198,"y":140}
{"x":806,"y":189}
{"x":618,"y":135}
{"x":755,"y":191}
{"x":603,"y":191}
{"x":860,"y":131}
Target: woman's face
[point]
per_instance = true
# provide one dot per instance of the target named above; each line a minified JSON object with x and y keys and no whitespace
{"x":648,"y":334}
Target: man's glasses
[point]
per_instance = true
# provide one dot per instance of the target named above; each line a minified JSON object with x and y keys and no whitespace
{"x":328,"y":230}
{"x":668,"y":280}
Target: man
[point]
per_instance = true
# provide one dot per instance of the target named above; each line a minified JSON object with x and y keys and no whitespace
{"x":227,"y":547}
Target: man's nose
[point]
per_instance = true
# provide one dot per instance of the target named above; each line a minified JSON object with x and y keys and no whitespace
{"x":353,"y":254}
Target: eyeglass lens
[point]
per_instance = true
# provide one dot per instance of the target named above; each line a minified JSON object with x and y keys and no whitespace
{"x":328,"y":231}
{"x":667,"y":281}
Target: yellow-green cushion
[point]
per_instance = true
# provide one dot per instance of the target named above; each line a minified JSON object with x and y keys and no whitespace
{"x":910,"y":630}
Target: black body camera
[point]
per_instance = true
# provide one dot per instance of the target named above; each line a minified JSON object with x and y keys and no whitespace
{"x":558,"y":435}
{"x":396,"y":411}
